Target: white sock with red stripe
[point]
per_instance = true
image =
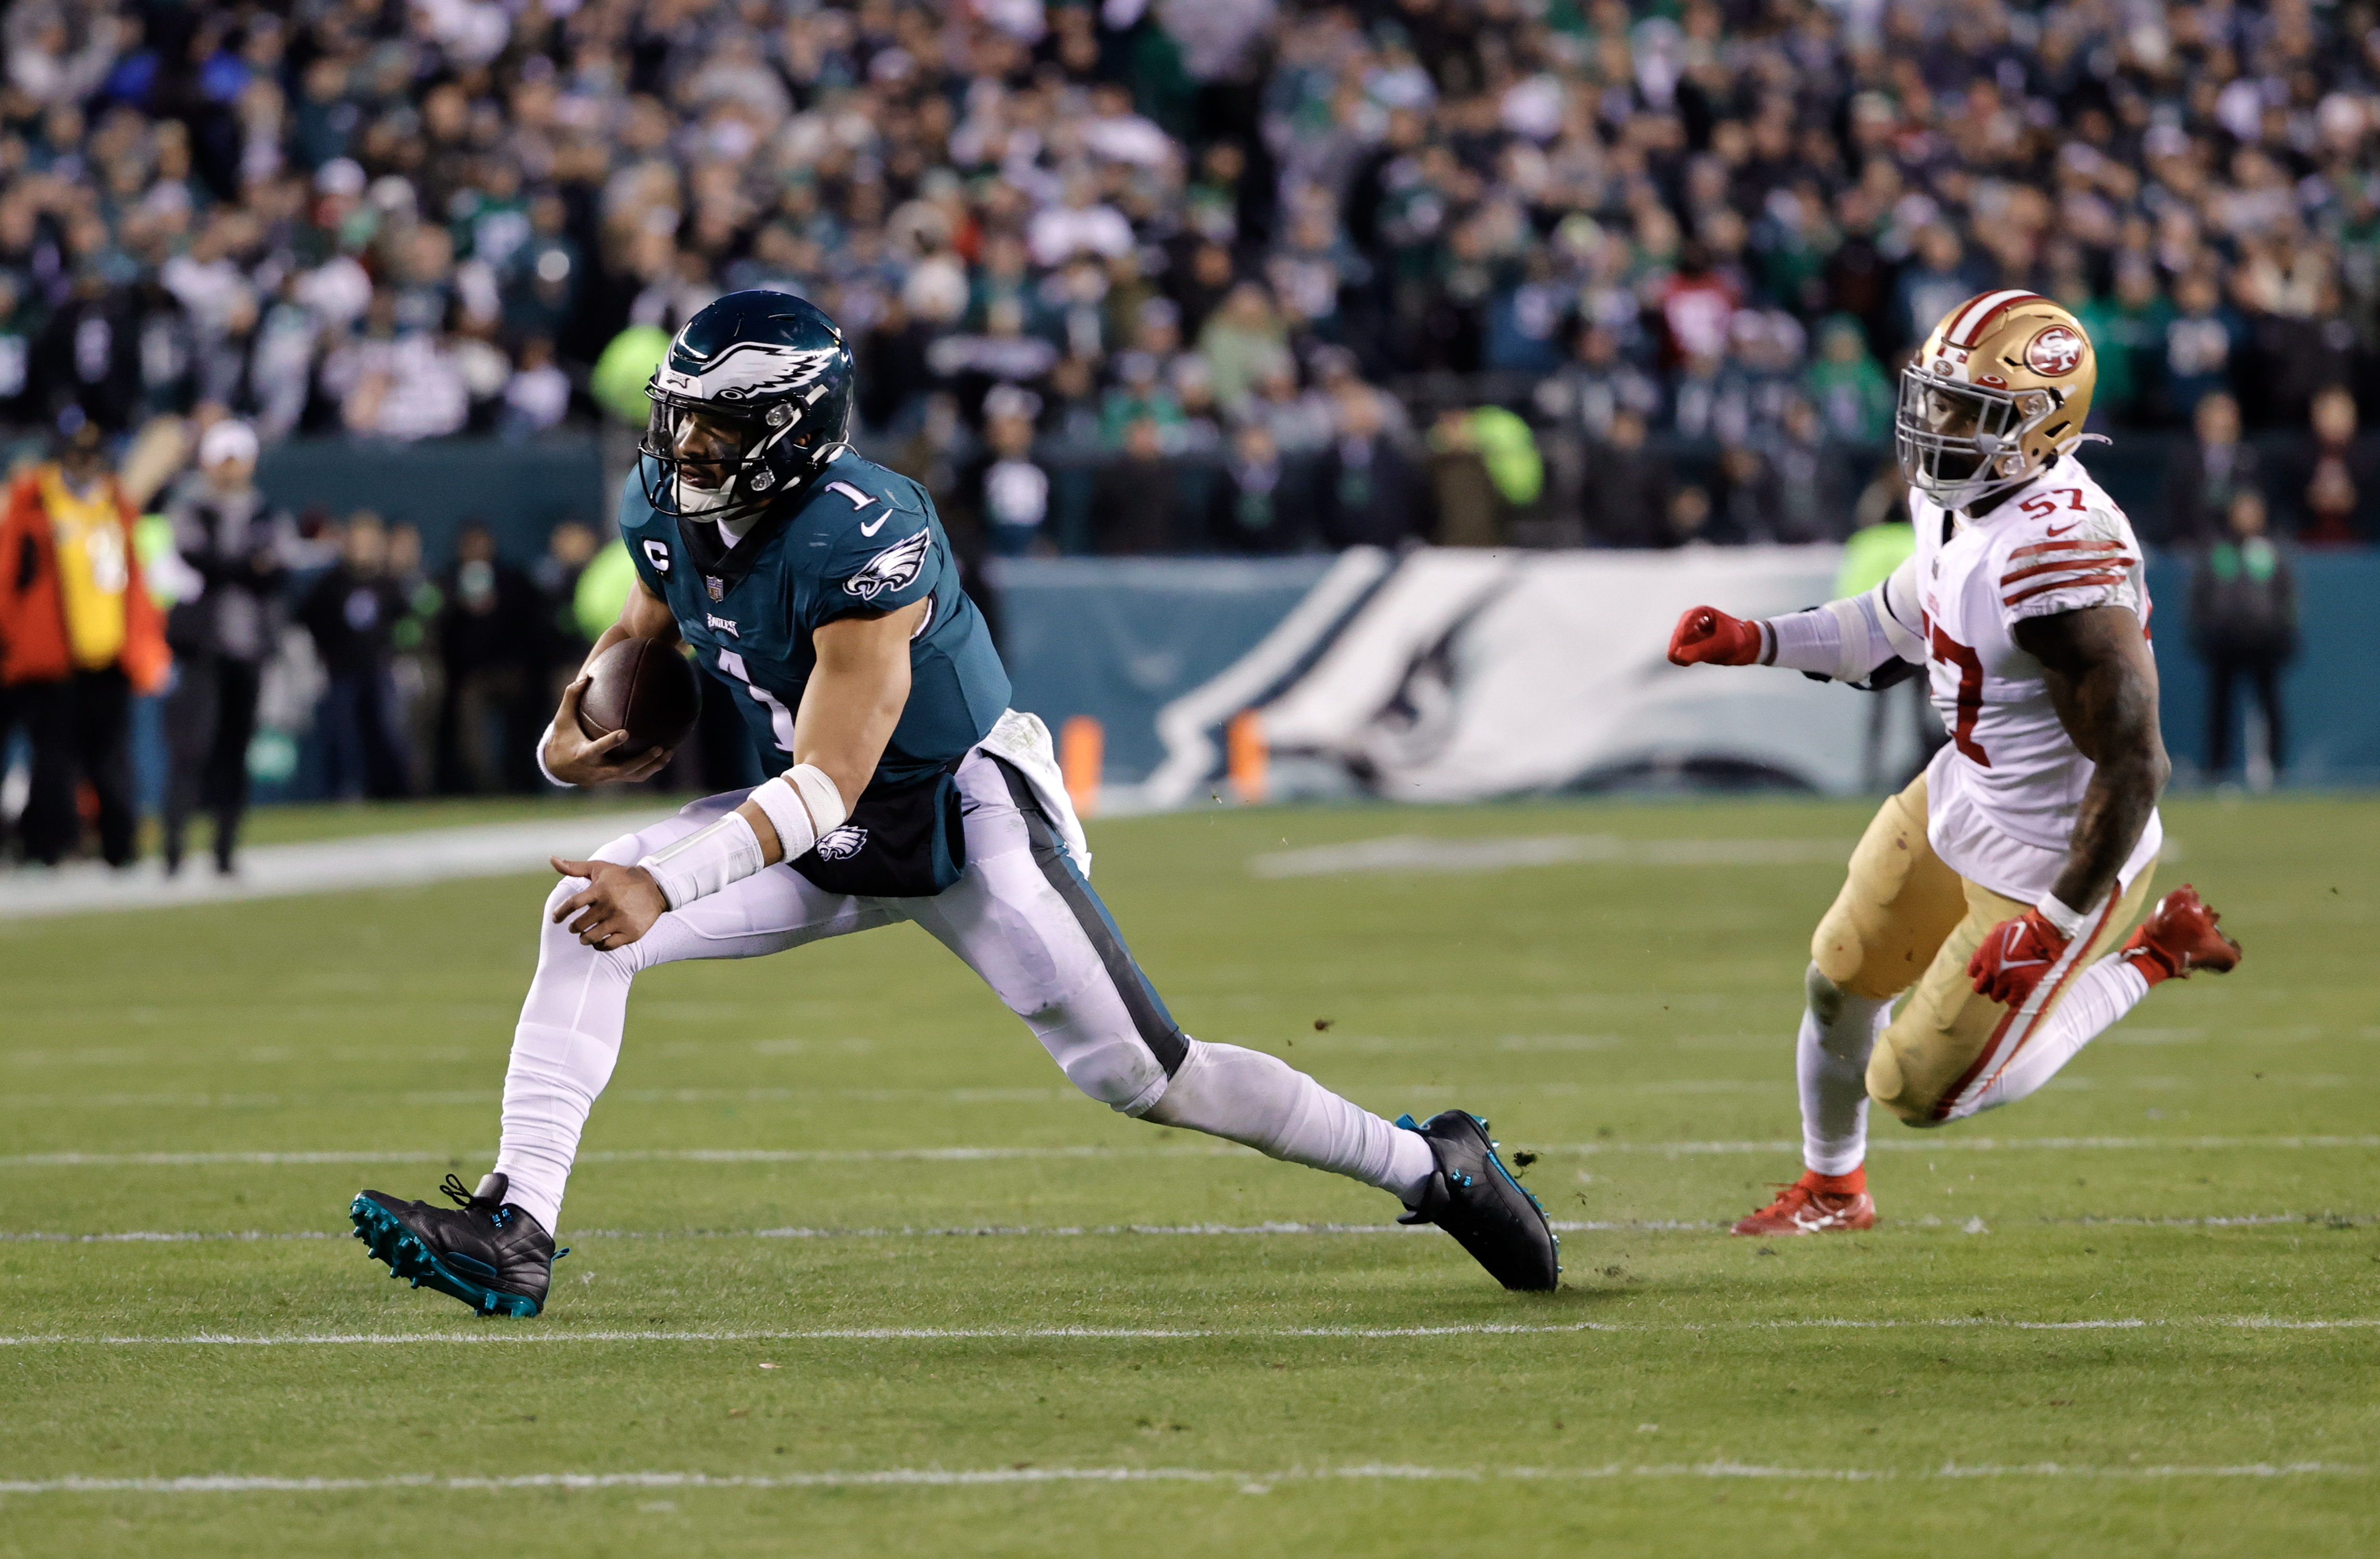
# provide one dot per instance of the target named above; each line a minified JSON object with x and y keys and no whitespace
{"x":2098,"y":999}
{"x":1830,"y":1066}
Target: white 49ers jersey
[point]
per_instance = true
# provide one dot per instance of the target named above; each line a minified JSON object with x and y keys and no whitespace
{"x":2001,"y":799}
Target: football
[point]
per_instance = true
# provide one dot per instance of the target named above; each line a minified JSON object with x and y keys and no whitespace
{"x":645,"y":687}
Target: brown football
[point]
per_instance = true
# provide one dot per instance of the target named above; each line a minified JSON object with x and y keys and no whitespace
{"x":645,"y":687}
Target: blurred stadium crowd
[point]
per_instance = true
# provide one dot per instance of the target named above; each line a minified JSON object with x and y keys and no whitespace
{"x":1136,"y":276}
{"x":1536,"y":271}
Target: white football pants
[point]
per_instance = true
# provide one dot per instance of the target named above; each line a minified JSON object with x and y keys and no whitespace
{"x":1023,"y":917}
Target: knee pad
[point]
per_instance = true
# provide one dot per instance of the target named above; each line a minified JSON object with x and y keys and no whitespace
{"x":1889,"y":1088}
{"x":1115,"y":1069}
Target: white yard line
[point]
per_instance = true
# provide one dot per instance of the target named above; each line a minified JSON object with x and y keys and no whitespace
{"x":376,"y":861}
{"x":1246,"y":1482}
{"x":1428,"y":853}
{"x":507,"y":1335}
{"x":1198,"y":1231}
{"x":1927,"y":1143}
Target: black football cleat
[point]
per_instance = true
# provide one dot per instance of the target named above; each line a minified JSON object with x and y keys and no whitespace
{"x":485,"y":1251}
{"x":1475,"y":1198}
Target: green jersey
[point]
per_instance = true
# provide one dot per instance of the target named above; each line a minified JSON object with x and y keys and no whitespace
{"x":859,"y":540}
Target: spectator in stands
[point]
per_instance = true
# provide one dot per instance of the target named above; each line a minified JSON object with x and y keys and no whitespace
{"x":2341,"y":475}
{"x":494,"y":644}
{"x":235,"y":547}
{"x":1941,"y":279}
{"x":569,"y":548}
{"x":1136,"y":498}
{"x":1852,"y":395}
{"x":2243,"y":622}
{"x":1814,"y":486}
{"x":2200,"y":339}
{"x":1242,"y":344}
{"x":2205,"y":477}
{"x":80,"y":636}
{"x":1462,"y":490}
{"x":1627,"y":489}
{"x":1600,"y":383}
{"x":1259,"y":505}
{"x":1365,"y":487}
{"x":1007,"y":488}
{"x":384,"y":213}
{"x":352,"y":611}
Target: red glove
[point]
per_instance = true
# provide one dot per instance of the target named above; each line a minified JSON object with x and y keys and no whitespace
{"x":1707,"y":636}
{"x":2014,"y":957}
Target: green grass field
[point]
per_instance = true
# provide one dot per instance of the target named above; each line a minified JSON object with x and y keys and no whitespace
{"x":2135,"y":1315}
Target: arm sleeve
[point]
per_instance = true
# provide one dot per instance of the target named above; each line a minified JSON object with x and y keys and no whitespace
{"x":1848,"y":639}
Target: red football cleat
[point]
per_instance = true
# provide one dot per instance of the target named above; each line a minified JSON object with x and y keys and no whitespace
{"x":2179,"y":936}
{"x":1807,"y":1207}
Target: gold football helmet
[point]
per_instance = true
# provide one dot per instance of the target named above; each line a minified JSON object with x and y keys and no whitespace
{"x":1998,"y":391}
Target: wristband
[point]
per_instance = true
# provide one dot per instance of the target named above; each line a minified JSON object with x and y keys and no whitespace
{"x":828,"y":810}
{"x":705,"y":860}
{"x":543,"y":737}
{"x":795,"y":833}
{"x":2067,"y":921}
{"x":802,"y":804}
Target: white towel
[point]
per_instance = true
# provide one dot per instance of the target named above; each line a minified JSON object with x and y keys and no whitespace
{"x":1023,"y":741}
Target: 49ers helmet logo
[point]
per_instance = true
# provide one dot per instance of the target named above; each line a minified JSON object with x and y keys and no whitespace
{"x":2055,"y":352}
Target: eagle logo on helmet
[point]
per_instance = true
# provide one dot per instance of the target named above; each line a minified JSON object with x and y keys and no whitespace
{"x":2055,"y":353}
{"x":744,"y":369}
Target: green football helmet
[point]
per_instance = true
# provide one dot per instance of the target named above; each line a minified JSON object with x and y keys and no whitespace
{"x":752,"y":400}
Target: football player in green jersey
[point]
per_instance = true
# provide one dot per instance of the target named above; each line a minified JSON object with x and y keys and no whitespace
{"x":822,"y":588}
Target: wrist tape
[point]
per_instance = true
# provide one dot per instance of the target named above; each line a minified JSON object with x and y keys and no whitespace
{"x":2070,"y":923}
{"x":543,"y":738}
{"x":802,"y":804}
{"x":705,"y":860}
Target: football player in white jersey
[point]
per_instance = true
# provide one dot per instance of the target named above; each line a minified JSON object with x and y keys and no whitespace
{"x":1995,"y":890}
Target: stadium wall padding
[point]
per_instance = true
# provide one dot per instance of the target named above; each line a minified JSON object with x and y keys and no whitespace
{"x":1123,"y":640}
{"x":520,"y":491}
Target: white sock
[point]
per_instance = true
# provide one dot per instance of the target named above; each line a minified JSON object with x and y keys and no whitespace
{"x":2098,"y":998}
{"x":1248,"y":1097}
{"x":563,"y":1053}
{"x":1830,"y":1065}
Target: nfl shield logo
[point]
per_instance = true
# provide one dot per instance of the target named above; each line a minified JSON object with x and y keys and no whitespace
{"x":710,"y":582}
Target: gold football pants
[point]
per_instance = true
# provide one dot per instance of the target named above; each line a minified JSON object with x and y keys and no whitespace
{"x":1903,"y":919}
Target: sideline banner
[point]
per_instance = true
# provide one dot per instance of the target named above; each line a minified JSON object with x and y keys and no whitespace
{"x":1455,"y":675}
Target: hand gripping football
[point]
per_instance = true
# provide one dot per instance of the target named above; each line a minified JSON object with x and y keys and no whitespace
{"x":645,"y":687}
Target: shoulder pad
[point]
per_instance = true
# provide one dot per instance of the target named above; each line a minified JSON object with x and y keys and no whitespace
{"x":850,"y":485}
{"x":2072,"y":547}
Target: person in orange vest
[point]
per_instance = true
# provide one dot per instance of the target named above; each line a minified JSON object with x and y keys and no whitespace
{"x":79,"y":636}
